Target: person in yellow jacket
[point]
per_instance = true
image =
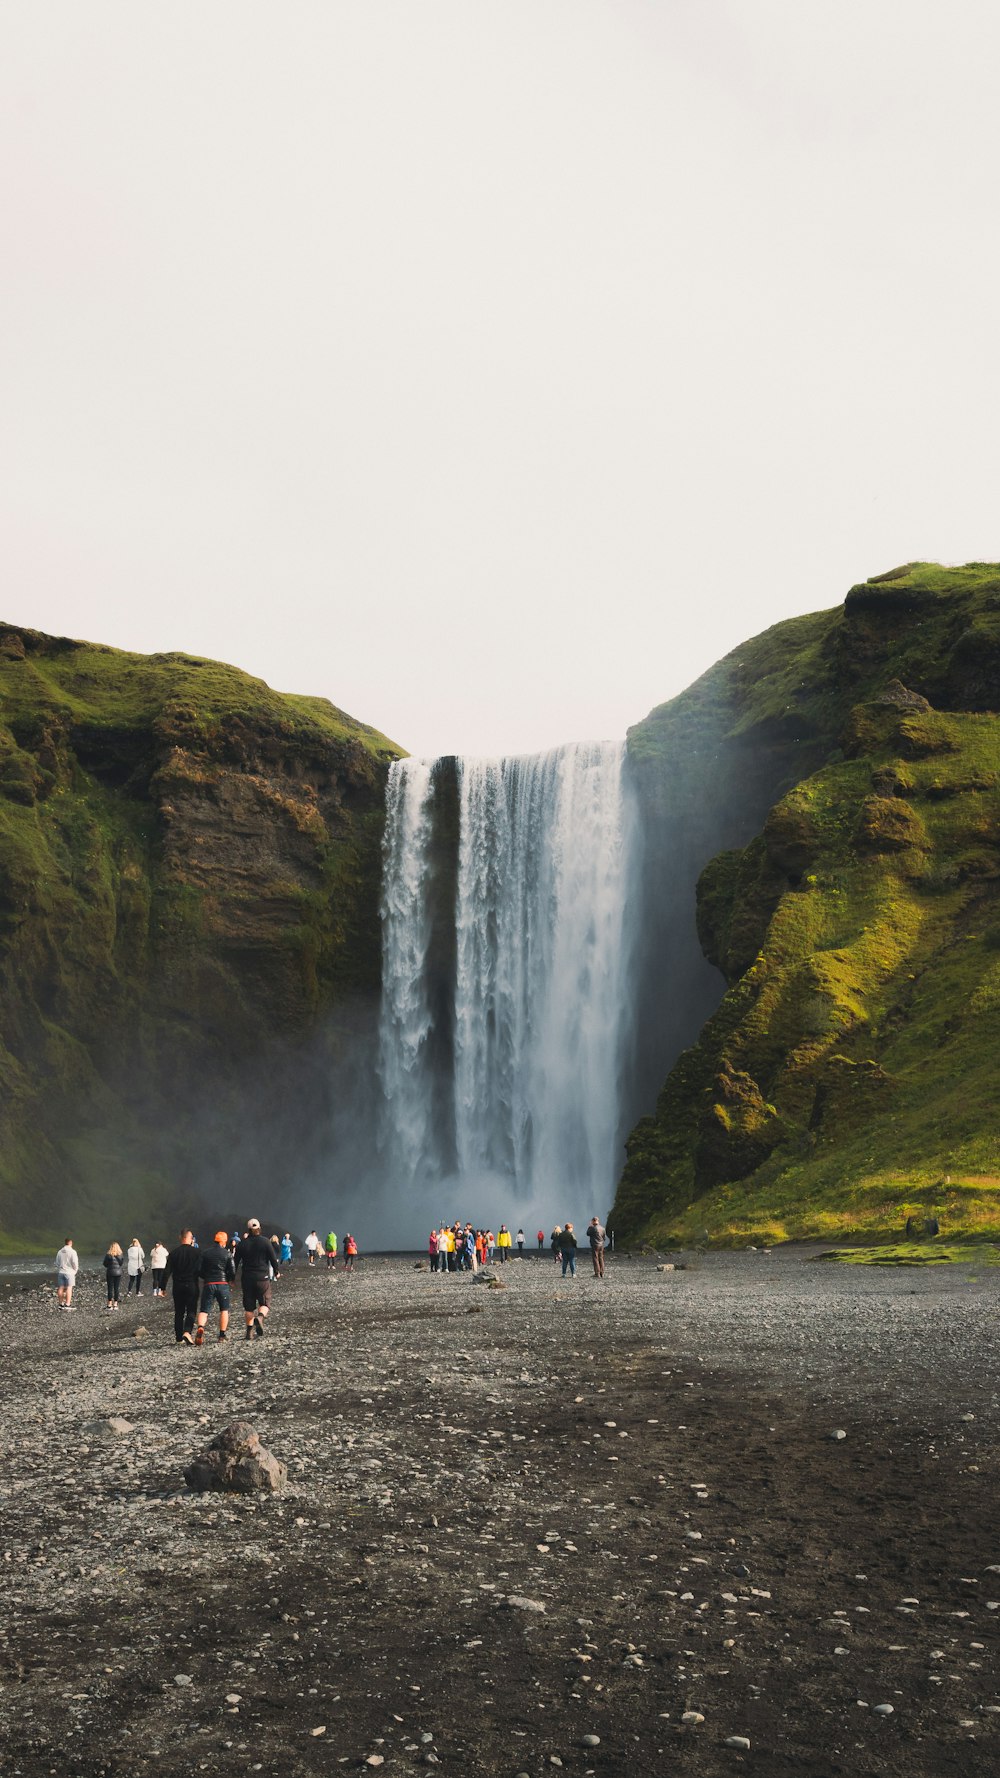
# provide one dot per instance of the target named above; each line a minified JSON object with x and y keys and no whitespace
{"x":449,"y":1241}
{"x":503,"y":1243}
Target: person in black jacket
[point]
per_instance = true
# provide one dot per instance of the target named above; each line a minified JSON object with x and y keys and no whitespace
{"x":113,"y":1266}
{"x":256,"y":1259}
{"x":216,"y":1273}
{"x":182,"y":1268}
{"x":567,"y":1248}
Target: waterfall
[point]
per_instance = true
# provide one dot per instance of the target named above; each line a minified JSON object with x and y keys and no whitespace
{"x":517,"y":1073}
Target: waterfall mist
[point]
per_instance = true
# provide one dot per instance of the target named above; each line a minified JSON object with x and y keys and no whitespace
{"x":506,"y":1024}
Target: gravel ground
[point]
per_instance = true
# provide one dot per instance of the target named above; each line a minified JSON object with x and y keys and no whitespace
{"x":603,"y":1526}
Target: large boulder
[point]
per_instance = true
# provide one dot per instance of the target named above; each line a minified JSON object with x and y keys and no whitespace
{"x":237,"y":1462}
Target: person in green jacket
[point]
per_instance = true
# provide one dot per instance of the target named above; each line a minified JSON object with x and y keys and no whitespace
{"x":330,"y":1248}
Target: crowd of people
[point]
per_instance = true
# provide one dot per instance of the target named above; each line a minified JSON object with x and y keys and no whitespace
{"x":459,"y":1247}
{"x":201,"y":1280}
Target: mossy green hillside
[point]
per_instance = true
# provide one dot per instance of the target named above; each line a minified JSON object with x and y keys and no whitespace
{"x":850,"y":1067}
{"x":189,"y":878}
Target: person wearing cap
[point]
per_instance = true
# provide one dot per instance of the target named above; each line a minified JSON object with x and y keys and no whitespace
{"x":182,"y":1272}
{"x":256,"y":1259}
{"x":216,"y":1272}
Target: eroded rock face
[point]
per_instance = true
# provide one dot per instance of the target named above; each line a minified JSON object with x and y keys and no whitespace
{"x":237,"y":1463}
{"x":737,"y":1131}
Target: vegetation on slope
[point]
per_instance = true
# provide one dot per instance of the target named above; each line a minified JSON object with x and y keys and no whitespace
{"x":848,"y":1077}
{"x":189,"y":867}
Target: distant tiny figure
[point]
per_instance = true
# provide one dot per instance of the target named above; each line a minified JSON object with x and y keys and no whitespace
{"x":331,"y":1251}
{"x":113,"y":1261}
{"x":520,"y":1241}
{"x":67,"y":1266}
{"x":554,"y":1241}
{"x":312,"y":1246}
{"x":136,"y":1266}
{"x":503,"y":1243}
{"x":596,"y":1236}
{"x":540,"y":1238}
{"x":350,"y":1252}
{"x":432,"y":1249}
{"x":158,"y":1257}
{"x":286,"y":1249}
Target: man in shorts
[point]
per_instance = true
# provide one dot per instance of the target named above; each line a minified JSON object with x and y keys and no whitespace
{"x":256,"y":1259}
{"x":67,"y":1266}
{"x":216,"y":1272}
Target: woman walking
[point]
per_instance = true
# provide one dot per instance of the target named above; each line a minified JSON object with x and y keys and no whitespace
{"x":136,"y":1266}
{"x":113,"y":1261}
{"x":158,"y":1257}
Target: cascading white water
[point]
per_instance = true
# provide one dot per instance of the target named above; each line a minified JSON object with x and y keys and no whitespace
{"x":539,"y":1001}
{"x":405,"y":1021}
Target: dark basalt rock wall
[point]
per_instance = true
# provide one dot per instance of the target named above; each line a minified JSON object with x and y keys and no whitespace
{"x":189,"y":935}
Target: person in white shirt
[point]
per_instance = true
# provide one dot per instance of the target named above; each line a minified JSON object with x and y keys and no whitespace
{"x":158,"y":1257}
{"x":67,"y":1266}
{"x":136,"y":1266}
{"x":312,"y":1246}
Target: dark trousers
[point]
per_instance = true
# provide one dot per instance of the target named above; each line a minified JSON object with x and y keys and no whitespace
{"x":136,"y":1279}
{"x":597,"y":1255}
{"x":114,"y":1287}
{"x":185,"y":1308}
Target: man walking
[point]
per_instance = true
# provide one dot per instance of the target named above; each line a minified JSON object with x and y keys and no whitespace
{"x":182,"y":1269}
{"x":67,"y":1266}
{"x":596,"y":1237}
{"x":216,"y":1273}
{"x":255,"y":1257}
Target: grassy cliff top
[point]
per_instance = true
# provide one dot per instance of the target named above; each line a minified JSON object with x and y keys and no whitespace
{"x":847,"y":1080}
{"x":799,"y":679}
{"x":92,"y":686}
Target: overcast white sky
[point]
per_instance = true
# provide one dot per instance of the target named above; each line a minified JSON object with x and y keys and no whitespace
{"x":490,"y":366}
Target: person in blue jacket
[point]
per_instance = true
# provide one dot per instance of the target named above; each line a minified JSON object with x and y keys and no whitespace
{"x":286,"y":1249}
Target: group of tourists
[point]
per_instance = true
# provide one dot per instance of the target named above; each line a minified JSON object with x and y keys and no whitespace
{"x":330,"y":1247}
{"x":458,"y":1247}
{"x":201,"y":1279}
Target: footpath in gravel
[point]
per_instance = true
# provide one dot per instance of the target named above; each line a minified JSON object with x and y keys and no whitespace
{"x":605,"y":1528}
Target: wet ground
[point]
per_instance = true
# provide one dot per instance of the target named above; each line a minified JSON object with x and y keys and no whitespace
{"x":598,"y":1525}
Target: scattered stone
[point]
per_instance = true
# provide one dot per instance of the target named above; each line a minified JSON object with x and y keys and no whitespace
{"x":665,"y":1268}
{"x":237,"y":1463}
{"x":692,"y":1716}
{"x":836,"y":1436}
{"x":591,"y":1740}
{"x":117,"y":1424}
{"x":140,"y":1333}
{"x":884,"y":1709}
{"x":183,"y":1679}
{"x":521,"y":1604}
{"x":740,"y":1741}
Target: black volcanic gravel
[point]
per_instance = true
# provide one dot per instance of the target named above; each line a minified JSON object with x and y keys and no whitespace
{"x":516,"y":1520}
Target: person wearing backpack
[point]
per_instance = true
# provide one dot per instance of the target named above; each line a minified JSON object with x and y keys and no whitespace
{"x":350,"y":1252}
{"x":330,"y":1247}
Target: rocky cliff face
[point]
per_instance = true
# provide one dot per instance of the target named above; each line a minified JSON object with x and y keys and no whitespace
{"x":847,"y":768}
{"x":189,"y":941}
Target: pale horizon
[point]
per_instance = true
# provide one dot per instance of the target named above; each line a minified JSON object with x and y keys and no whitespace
{"x":489,"y":371}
